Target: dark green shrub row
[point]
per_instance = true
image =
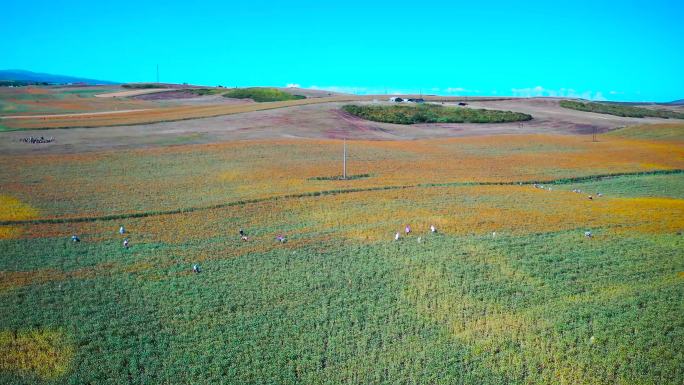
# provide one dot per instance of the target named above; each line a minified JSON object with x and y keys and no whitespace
{"x":339,"y":177}
{"x":260,"y":95}
{"x":140,"y":86}
{"x":432,"y":113}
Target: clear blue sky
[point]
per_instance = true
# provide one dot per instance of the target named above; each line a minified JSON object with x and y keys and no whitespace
{"x":617,"y":50}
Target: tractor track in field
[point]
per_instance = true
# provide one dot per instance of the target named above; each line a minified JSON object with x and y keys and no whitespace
{"x":334,"y":192}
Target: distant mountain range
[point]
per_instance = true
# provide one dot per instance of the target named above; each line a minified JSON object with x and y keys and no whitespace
{"x":679,"y":102}
{"x":28,"y":76}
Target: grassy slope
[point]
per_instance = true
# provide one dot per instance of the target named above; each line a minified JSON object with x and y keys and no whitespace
{"x":665,"y":186}
{"x":665,"y":131}
{"x":621,"y":110}
{"x":431,"y":113}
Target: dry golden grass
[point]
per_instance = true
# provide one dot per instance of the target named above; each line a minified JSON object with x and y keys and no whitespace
{"x":11,"y":209}
{"x":41,"y":352}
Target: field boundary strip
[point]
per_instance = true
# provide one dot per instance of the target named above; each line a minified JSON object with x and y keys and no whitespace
{"x":144,"y":214}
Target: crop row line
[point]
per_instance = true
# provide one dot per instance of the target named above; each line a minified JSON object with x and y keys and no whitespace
{"x":333,"y":192}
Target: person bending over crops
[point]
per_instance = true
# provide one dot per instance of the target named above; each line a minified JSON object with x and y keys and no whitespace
{"x":433,"y":229}
{"x":125,"y":243}
{"x":122,"y":230}
{"x":281,"y":238}
{"x":195,"y":268}
{"x":407,"y":229}
{"x":75,"y":238}
{"x":396,"y":236}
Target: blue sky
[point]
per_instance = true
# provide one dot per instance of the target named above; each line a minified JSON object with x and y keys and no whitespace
{"x":615,"y":50}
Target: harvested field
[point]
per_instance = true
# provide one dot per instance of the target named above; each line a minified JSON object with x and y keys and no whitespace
{"x":171,"y":94}
{"x":319,"y":118}
{"x":160,"y":114}
{"x":124,"y":94}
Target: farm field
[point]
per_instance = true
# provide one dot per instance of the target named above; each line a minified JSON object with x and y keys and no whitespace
{"x":508,"y":290}
{"x":340,"y":301}
{"x":342,"y":193}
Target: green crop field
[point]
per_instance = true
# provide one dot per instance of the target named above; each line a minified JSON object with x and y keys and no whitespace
{"x":432,"y":113}
{"x":509,"y":290}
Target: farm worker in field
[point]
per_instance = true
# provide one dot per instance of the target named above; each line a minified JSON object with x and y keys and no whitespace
{"x":396,"y":236}
{"x":599,"y":195}
{"x":125,"y":243}
{"x":242,"y":233}
{"x":122,"y":230}
{"x":244,"y":238}
{"x":588,"y":234}
{"x":74,"y":238}
{"x":407,"y":229}
{"x":591,"y":198}
{"x":195,"y":268}
{"x":494,"y":234}
{"x":281,"y":238}
{"x":433,"y":229}
{"x":420,"y":239}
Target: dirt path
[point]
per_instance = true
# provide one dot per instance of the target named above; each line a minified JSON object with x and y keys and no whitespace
{"x":71,"y":114}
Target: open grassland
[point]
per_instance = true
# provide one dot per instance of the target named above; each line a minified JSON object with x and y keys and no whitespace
{"x":665,"y":131}
{"x":153,"y":115}
{"x":119,"y":182}
{"x":621,"y":110}
{"x":432,"y":113}
{"x":54,"y":100}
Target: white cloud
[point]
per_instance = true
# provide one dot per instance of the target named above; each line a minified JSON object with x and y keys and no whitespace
{"x":599,"y":96}
{"x":529,"y":92}
{"x":455,"y":89}
{"x":362,"y":90}
{"x":540,"y":91}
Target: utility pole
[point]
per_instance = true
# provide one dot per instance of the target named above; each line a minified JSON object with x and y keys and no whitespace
{"x":593,"y":139}
{"x":344,"y":160}
{"x":157,"y":73}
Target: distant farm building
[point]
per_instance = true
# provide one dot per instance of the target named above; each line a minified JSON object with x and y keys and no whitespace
{"x":397,"y":99}
{"x":462,"y":104}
